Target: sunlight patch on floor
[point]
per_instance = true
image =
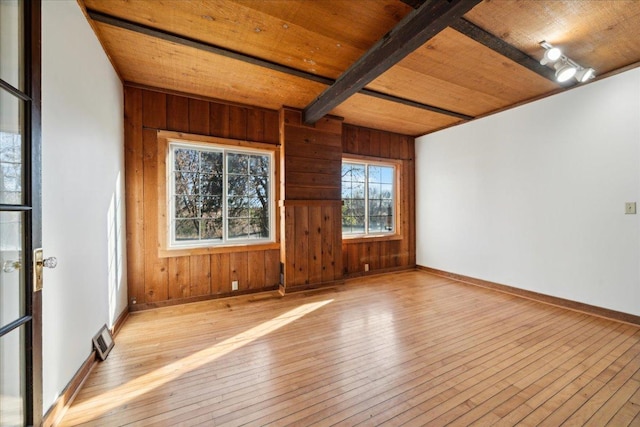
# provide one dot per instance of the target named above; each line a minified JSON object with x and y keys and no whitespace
{"x":137,"y":387}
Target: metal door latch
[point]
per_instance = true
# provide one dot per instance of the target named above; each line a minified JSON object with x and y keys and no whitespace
{"x":39,"y":263}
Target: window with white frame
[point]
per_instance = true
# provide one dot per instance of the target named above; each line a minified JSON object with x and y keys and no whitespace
{"x":219,"y":195}
{"x":369,"y":198}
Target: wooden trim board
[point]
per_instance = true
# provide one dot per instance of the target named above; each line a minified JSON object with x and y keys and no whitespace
{"x":59,"y":408}
{"x":535,"y":296}
{"x":63,"y":402}
{"x":170,"y":302}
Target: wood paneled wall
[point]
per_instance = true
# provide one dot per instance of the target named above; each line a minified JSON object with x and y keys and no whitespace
{"x":155,"y":280}
{"x":311,"y":246}
{"x":383,"y":255}
{"x":311,"y":250}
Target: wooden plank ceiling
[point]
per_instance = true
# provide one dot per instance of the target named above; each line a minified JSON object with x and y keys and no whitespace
{"x":288,"y":52}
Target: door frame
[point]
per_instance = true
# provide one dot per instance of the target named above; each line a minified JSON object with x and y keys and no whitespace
{"x":31,"y":206}
{"x":33,"y":81}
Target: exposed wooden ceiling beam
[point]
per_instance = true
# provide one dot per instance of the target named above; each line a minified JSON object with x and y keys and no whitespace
{"x":413,"y":31}
{"x":207,"y":47}
{"x":495,"y":43}
{"x":505,"y":49}
{"x":415,"y":104}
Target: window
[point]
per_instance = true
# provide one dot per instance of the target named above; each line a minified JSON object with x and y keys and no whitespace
{"x":369,"y":198}
{"x":219,"y":195}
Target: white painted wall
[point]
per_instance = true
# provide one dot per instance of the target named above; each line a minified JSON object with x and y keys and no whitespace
{"x":83,"y":212}
{"x":534,"y":197}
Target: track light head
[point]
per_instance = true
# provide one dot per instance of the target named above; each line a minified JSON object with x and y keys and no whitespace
{"x":584,"y":74}
{"x":550,"y":56}
{"x":564,"y":70}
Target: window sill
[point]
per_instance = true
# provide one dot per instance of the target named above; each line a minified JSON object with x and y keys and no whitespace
{"x":210,"y":250}
{"x":375,"y":238}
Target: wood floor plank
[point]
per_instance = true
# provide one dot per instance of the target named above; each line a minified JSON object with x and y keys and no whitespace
{"x":435,"y":409}
{"x":388,"y":396}
{"x":559,"y":360}
{"x":581,"y":384}
{"x":277,"y":409}
{"x":406,"y":348}
{"x":598,"y":399}
{"x":439,"y":397}
{"x":615,"y":405}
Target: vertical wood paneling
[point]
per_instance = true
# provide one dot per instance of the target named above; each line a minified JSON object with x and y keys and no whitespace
{"x":153,"y":279}
{"x":384,"y":144}
{"x":383,"y":255}
{"x":289,"y":242}
{"x":177,"y":113}
{"x":315,"y":244}
{"x":373,"y":257}
{"x":221,"y":273}
{"x":411,"y":195}
{"x":256,"y":270}
{"x":312,"y":157}
{"x":200,"y":275}
{"x":134,"y":194}
{"x":301,"y":244}
{"x":374,"y":143}
{"x":179,"y":277}
{"x":271,"y":127}
{"x":395,"y":147}
{"x":255,"y":125}
{"x":328,"y":243}
{"x":364,"y":141}
{"x":350,"y":141}
{"x":198,"y":116}
{"x":272,"y":267}
{"x":237,"y":122}
{"x":352,"y":257}
{"x":313,"y":250}
{"x":179,"y":267}
{"x":216,"y":274}
{"x":219,"y":120}
{"x":337,"y":241}
{"x":156,"y":276}
{"x":239,"y":269}
{"x":154,"y":110}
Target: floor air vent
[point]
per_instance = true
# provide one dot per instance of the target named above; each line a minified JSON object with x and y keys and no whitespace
{"x":103,"y":342}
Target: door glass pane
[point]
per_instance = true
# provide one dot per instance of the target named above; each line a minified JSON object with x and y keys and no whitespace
{"x":11,"y":139}
{"x":12,"y":380}
{"x":12,"y":272}
{"x":11,"y":42}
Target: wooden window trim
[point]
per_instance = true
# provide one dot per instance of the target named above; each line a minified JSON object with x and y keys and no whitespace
{"x":164,"y":249}
{"x":397,"y":235}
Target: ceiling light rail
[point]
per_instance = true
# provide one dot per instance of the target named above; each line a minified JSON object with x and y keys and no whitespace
{"x":566,"y":68}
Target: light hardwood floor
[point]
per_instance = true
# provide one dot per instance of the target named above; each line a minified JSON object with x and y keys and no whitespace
{"x":400,"y":349}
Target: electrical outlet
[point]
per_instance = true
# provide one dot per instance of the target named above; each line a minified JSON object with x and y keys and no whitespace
{"x":234,"y":285}
{"x":630,"y":208}
{"x":366,"y":267}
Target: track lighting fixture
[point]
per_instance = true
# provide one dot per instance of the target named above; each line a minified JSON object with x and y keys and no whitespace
{"x":551,"y":55}
{"x":584,"y":74}
{"x":564,"y":70}
{"x":565,"y":67}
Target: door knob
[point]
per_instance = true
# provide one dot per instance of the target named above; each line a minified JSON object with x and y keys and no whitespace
{"x":10,"y":266}
{"x":51,"y":262}
{"x":39,"y":263}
